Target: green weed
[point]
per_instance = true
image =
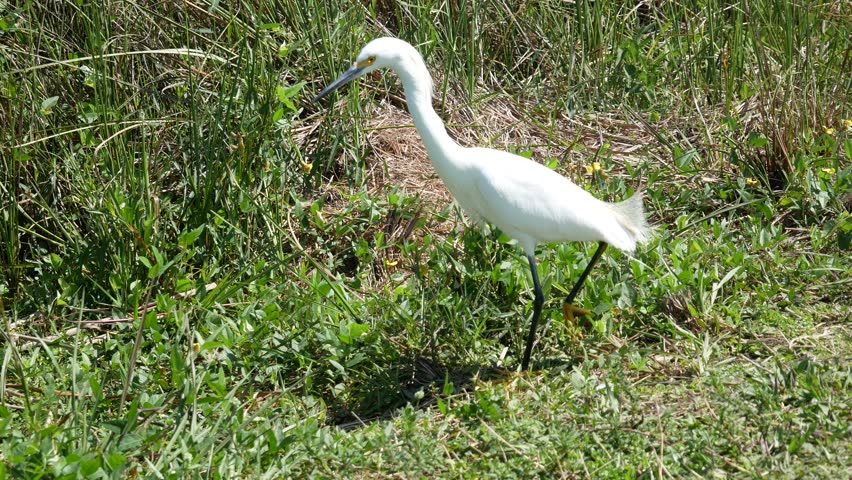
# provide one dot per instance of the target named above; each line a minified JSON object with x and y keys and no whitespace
{"x":202,"y":274}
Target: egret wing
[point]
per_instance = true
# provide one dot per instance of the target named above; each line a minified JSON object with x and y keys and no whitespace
{"x":529,"y":201}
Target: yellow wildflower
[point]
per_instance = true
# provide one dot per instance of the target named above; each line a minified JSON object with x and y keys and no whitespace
{"x":828,"y":171}
{"x":391,"y":264}
{"x":594,"y":167}
{"x":828,"y":130}
{"x":847,"y":123}
{"x":307,"y":167}
{"x":751,"y":181}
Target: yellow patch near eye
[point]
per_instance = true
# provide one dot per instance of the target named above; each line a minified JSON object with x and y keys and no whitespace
{"x":365,"y":63}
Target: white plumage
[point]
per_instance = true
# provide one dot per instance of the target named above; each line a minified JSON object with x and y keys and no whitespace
{"x":525,"y":199}
{"x":533,"y":204}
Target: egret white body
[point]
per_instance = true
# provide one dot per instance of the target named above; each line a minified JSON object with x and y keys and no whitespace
{"x":526,"y":200}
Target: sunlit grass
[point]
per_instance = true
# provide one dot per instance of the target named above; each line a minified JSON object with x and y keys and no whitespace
{"x":201,"y":274}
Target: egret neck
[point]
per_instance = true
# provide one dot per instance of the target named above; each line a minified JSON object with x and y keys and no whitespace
{"x":443,"y":151}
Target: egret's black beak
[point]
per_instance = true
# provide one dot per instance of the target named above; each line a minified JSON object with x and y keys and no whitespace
{"x":342,"y":80}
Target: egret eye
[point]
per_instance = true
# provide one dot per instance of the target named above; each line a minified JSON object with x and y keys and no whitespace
{"x":366,"y":62}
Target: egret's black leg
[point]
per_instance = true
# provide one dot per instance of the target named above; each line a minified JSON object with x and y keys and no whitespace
{"x":568,"y":309}
{"x":539,"y":301}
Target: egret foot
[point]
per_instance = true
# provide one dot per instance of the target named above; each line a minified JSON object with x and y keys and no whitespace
{"x":501,"y":372}
{"x":568,"y":313}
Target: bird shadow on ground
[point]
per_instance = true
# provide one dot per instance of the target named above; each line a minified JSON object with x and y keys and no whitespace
{"x":429,"y":382}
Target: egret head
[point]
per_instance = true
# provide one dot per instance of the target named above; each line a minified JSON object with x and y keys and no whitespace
{"x":379,"y":53}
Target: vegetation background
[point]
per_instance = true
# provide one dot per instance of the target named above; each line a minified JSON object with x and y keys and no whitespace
{"x":204,"y":275}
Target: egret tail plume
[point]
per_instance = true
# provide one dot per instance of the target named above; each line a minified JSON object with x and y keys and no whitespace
{"x":631,"y":216}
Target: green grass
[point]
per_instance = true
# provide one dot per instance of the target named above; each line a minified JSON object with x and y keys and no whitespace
{"x":204,"y":275}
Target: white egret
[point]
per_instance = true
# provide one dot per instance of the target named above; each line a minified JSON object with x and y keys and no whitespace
{"x":525,"y":199}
